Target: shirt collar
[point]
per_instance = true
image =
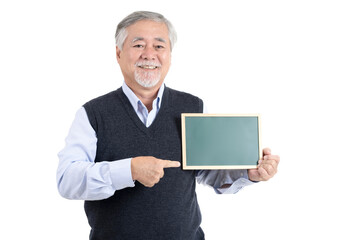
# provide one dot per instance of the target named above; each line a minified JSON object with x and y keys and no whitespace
{"x":134,"y":100}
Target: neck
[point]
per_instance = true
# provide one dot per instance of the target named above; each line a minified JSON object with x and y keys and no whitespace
{"x":147,"y":99}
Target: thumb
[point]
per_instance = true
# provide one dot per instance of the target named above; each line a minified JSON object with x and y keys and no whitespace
{"x":170,"y":164}
{"x":266,"y":151}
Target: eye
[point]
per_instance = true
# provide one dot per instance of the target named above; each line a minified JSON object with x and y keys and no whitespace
{"x":138,"y":46}
{"x":159,"y":47}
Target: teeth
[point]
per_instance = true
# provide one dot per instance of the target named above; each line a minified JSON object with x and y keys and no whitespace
{"x":148,"y":67}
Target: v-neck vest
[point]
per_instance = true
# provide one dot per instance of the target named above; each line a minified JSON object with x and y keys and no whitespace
{"x":169,"y":210}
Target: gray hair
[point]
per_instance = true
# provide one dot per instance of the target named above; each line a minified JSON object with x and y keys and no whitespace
{"x":121,"y":32}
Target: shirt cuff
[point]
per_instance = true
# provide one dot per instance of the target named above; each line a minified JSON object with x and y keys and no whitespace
{"x":120,"y":173}
{"x":236,"y":186}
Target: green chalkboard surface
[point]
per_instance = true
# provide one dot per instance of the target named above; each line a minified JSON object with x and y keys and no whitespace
{"x":215,"y":141}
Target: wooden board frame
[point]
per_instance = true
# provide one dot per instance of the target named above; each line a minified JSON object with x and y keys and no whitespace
{"x":187,"y":166}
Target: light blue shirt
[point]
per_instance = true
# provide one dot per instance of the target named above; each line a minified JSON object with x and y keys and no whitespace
{"x":79,"y":177}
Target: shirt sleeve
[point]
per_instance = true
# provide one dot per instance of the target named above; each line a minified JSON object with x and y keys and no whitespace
{"x":237,"y":179}
{"x":78,"y":176}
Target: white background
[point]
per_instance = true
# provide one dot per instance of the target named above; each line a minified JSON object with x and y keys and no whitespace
{"x":294,"y":62}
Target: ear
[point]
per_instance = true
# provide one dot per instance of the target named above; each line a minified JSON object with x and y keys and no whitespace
{"x":118,"y":53}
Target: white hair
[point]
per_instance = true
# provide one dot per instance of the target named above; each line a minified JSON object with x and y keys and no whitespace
{"x":121,"y":32}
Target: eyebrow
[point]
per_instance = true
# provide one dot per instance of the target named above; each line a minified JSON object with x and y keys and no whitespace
{"x":137,"y":39}
{"x":160,"y":40}
{"x":141,"y":39}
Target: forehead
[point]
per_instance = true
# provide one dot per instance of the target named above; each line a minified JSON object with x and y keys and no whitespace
{"x":147,"y":29}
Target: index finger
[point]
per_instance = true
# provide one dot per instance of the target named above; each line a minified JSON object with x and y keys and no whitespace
{"x":170,"y":164}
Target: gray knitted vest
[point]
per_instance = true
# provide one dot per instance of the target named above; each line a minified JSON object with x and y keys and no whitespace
{"x":169,"y":210}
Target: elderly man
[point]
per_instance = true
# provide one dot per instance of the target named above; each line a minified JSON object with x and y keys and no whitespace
{"x":123,"y":151}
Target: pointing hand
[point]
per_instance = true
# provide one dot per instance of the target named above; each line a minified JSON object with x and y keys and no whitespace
{"x":149,"y":170}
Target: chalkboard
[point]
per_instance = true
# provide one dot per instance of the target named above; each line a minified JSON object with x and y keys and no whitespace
{"x":214,"y":141}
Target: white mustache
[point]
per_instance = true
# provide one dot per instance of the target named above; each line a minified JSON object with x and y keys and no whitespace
{"x":147,"y":63}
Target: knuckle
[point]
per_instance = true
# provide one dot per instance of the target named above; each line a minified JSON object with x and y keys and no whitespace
{"x":159,"y":173}
{"x":277,"y":158}
{"x":148,"y":184}
{"x":154,"y":179}
{"x":152,"y":183}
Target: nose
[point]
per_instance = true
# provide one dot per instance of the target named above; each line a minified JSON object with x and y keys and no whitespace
{"x":148,"y":54}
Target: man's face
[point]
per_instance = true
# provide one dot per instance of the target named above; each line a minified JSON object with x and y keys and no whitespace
{"x":146,"y":55}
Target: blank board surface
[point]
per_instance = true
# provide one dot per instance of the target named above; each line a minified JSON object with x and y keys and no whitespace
{"x":212,"y":141}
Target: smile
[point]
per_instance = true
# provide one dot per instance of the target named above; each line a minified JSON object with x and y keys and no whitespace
{"x":148,"y":66}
